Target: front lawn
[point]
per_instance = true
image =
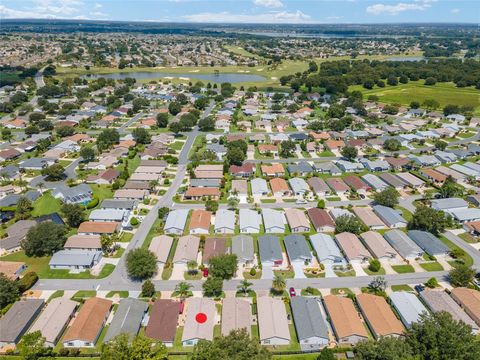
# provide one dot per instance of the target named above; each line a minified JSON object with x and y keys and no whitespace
{"x":432,"y":266}
{"x":403,"y":269}
{"x":401,"y":288}
{"x":46,"y":204}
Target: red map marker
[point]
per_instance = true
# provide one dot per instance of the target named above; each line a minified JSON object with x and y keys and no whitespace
{"x":201,"y":318}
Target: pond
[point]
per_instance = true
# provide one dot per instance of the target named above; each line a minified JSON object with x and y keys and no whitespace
{"x":405,"y":58}
{"x":214,"y":77}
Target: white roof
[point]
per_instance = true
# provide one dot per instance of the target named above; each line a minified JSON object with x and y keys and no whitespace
{"x":408,"y":306}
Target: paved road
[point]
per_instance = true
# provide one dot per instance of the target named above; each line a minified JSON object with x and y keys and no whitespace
{"x":129,"y":123}
{"x":69,"y":172}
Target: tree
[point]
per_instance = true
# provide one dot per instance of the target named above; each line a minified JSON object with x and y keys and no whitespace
{"x":349,"y":223}
{"x":430,"y":81}
{"x":141,"y":264}
{"x":392,"y":144}
{"x":182,"y":290}
{"x":148,"y":289}
{"x":175,"y":127}
{"x":32,"y":346}
{"x":428,"y":219}
{"x":211,"y":205}
{"x":123,"y":347}
{"x":107,"y":241}
{"x":87,"y":153}
{"x":244,"y":286}
{"x":223,"y":266}
{"x":141,"y":136}
{"x":378,"y":285}
{"x":388,"y":197}
{"x":462,"y":275}
{"x":235,"y":156}
{"x":278,"y":284}
{"x":212,"y":287}
{"x":64,"y":131}
{"x":206,"y":124}
{"x":107,"y":138}
{"x":162,"y":120}
{"x":451,"y":109}
{"x":174,"y":108}
{"x":54,"y":172}
{"x":349,"y":153}
{"x":43,"y":239}
{"x":385,"y":348}
{"x":163,"y":212}
{"x":427,"y":338}
{"x":431,"y":104}
{"x":235,"y":346}
{"x":287,"y":148}
{"x":73,"y":213}
{"x":7,"y":135}
{"x":450,"y":188}
{"x":24,"y":207}
{"x":8,"y":291}
{"x":326,"y":354}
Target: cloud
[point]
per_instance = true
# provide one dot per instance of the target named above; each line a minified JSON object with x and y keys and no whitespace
{"x":334,"y":17}
{"x":53,"y":9}
{"x":271,"y":17}
{"x":455,"y":11}
{"x":97,"y":6}
{"x":269,"y":3}
{"x":395,"y":9}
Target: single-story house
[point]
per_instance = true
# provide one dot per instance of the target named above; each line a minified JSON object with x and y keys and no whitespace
{"x":408,"y":307}
{"x":224,"y":222}
{"x":75,"y":259}
{"x":162,"y":325}
{"x":18,"y":319}
{"x":326,"y":249}
{"x":249,"y":221}
{"x":273,"y":220}
{"x":272,"y":321}
{"x":352,"y":247}
{"x":200,"y":222}
{"x":161,"y":246}
{"x":187,"y":249}
{"x":310,"y":323}
{"x":195,"y":330}
{"x":405,"y":246}
{"x":378,"y":246}
{"x":242,"y":246}
{"x":127,"y":318}
{"x":297,"y":220}
{"x":236,"y":315}
{"x":176,"y":221}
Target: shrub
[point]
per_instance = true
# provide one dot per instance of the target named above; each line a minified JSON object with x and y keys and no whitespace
{"x":134,"y":221}
{"x":374,"y":265}
{"x":431,"y":283}
{"x":253,"y":272}
{"x":94,"y":202}
{"x":27,"y":281}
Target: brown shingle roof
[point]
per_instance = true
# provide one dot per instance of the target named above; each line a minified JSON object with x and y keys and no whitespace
{"x":213,"y":247}
{"x":344,"y":317}
{"x":320,"y":218}
{"x":200,"y":219}
{"x":163,"y":320}
{"x":103,"y":227}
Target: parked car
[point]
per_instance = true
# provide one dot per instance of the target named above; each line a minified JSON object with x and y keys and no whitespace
{"x":292,"y":292}
{"x":419,"y":288}
{"x":301,"y":201}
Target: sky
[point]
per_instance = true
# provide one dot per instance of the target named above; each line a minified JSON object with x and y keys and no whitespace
{"x":248,"y":11}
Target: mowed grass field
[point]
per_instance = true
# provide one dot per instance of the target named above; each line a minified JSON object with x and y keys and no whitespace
{"x":444,"y":93}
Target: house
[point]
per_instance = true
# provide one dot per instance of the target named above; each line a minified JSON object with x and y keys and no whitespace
{"x":240,"y":187}
{"x":369,"y":218}
{"x":187,"y":249}
{"x":17,"y":320}
{"x":162,"y":325}
{"x":397,"y":163}
{"x":212,"y":183}
{"x":405,"y":246}
{"x":440,"y":301}
{"x":346,"y":323}
{"x":469,"y":300}
{"x":449,"y":204}
{"x":310,"y":323}
{"x":242,"y":246}
{"x":378,"y":246}
{"x":80,"y":194}
{"x":15,"y":234}
{"x":392,"y":180}
{"x":472,"y":227}
{"x":274,"y":170}
{"x":75,"y":259}
{"x":218,"y":149}
{"x":213,"y":247}
{"x":352,"y":247}
{"x":36,"y":163}
{"x":194,"y":330}
{"x":224,"y":222}
{"x":319,"y":186}
{"x":408,"y":307}
{"x":298,"y":252}
{"x":209,"y":172}
{"x":12,"y":199}
{"x":127,"y":319}
{"x":83,"y":242}
{"x":200,"y":222}
{"x":272,"y":321}
{"x":375,"y":165}
{"x":356,"y":184}
{"x":467,"y":171}
{"x":428,"y":243}
{"x":274,"y":221}
{"x":411,"y":180}
{"x":299,"y":186}
{"x":335,"y":213}
{"x":338,"y":185}
{"x":98,"y":228}
{"x":433,"y":175}
{"x":125,"y":194}
{"x":249,"y":221}
{"x":176,"y":220}
{"x":280,"y":187}
{"x":161,"y":246}
{"x":118,"y":204}
{"x":245,"y":170}
{"x":88,"y":324}
{"x":259,"y":187}
{"x":302,"y":168}
{"x":54,"y":319}
{"x":297,"y":220}
{"x":201,"y":193}
{"x":466,"y":215}
{"x":268,"y":148}
{"x":326,"y":249}
{"x":102,"y":215}
{"x":236,"y":315}
{"x":445,"y":157}
{"x":348,"y":166}
{"x":374,"y":181}
{"x":105,"y":178}
{"x":425,"y":160}
{"x":380,"y":318}
{"x":390,"y":217}
{"x":321,"y":220}
{"x":9,"y":154}
{"x":270,"y":251}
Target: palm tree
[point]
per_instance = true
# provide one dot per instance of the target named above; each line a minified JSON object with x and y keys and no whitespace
{"x":233,"y":202}
{"x":40,"y":186}
{"x":182,"y":290}
{"x":244,"y":286}
{"x":279,"y":284}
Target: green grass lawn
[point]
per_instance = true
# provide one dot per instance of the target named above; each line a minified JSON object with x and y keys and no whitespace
{"x":102,"y":192}
{"x":345,"y":273}
{"x":379,"y":272}
{"x":432,"y":266}
{"x":122,"y":294}
{"x":403,"y":269}
{"x":46,"y":204}
{"x":341,"y":291}
{"x":444,"y":93}
{"x":467,"y":259}
{"x":287,"y":274}
{"x":468,"y":238}
{"x":401,"y":288}
{"x":84,"y":294}
{"x":40,"y":266}
{"x":177,"y":145}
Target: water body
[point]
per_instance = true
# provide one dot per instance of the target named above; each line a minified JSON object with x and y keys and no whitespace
{"x":216,"y":78}
{"x":412,"y":58}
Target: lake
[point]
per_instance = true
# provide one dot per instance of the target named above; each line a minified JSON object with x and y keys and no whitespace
{"x":144,"y":75}
{"x":405,"y":58}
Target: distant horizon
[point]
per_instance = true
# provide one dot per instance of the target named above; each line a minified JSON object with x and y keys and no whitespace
{"x":248,"y":11}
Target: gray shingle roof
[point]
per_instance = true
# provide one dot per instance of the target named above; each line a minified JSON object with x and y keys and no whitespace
{"x":309,"y":321}
{"x":297,"y":248}
{"x":127,"y":319}
{"x":388,"y":215}
{"x":269,"y":248}
{"x":18,"y":318}
{"x":405,"y":246}
{"x":242,"y":246}
{"x":428,"y":242}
